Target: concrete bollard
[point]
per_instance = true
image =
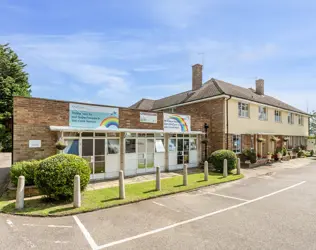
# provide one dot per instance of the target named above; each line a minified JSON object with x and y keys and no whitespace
{"x":122,"y":185}
{"x":19,"y":204}
{"x":158,"y":182}
{"x":77,"y":192}
{"x":185,"y":174}
{"x":238,"y":166}
{"x":206,"y":171}
{"x":225,"y":168}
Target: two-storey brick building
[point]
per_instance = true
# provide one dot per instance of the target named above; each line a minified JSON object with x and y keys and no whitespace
{"x":237,"y":117}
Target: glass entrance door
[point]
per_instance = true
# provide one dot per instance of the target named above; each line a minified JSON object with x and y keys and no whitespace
{"x":146,"y":152}
{"x":183,"y":148}
{"x":87,"y":152}
{"x":99,"y":158}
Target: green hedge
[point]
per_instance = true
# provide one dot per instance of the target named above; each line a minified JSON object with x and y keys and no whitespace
{"x":25,"y":168}
{"x":217,"y":160}
{"x":55,"y":175}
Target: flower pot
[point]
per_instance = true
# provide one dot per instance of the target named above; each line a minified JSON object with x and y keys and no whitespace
{"x":279,"y":155}
{"x":61,"y":147}
{"x":269,"y":157}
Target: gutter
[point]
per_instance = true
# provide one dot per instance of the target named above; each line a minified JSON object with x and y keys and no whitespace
{"x":227,"y":126}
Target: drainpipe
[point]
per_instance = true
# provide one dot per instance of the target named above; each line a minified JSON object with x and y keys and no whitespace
{"x":227,"y":127}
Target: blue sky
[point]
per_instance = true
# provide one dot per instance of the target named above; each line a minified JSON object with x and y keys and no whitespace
{"x":116,"y":52}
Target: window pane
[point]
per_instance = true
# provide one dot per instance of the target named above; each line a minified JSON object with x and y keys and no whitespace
{"x":87,"y":134}
{"x":180,"y":145}
{"x":113,"y":146}
{"x":130,"y":145}
{"x":87,"y":147}
{"x":186,"y":145}
{"x":130,"y":134}
{"x":150,"y":135}
{"x":150,"y":145}
{"x":150,"y":161}
{"x":141,"y":146}
{"x":72,"y":147}
{"x":99,"y":147}
{"x":99,"y":167}
{"x":172,"y":145}
{"x":192,"y":144}
{"x":160,"y":146}
{"x":113,"y":134}
{"x":100,"y":134}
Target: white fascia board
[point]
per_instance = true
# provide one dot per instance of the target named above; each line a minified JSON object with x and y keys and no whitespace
{"x":266,"y":105}
{"x":187,"y":103}
{"x":74,"y":129}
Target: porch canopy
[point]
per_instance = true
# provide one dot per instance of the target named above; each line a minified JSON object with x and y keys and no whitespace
{"x":77,"y":129}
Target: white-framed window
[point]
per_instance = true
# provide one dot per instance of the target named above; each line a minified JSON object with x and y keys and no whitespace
{"x":263,"y":113}
{"x":290,"y":118}
{"x":243,"y":110}
{"x":277,"y":116}
{"x":236,"y":144}
{"x":301,"y":120}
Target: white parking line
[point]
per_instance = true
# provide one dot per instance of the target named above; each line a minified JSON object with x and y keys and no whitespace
{"x":57,"y":226}
{"x":162,"y":205}
{"x":94,"y":246}
{"x":10,"y":223}
{"x":226,"y":196}
{"x":86,"y":234}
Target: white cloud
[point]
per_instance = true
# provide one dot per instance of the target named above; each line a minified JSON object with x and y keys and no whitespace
{"x":148,"y":68}
{"x":177,"y":13}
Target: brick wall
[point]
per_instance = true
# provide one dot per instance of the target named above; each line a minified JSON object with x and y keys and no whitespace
{"x":31,"y":119}
{"x":211,"y":112}
{"x":130,"y":118}
{"x":33,"y":116}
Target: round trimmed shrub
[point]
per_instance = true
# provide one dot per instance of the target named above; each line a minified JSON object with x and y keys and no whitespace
{"x":55,"y":175}
{"x":217,"y":160}
{"x":25,"y":168}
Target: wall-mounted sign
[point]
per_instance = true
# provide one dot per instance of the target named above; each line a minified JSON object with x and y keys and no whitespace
{"x":35,"y":143}
{"x":87,"y":116}
{"x":148,"y":117}
{"x":176,"y":123}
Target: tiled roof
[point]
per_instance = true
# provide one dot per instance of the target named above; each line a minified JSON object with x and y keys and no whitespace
{"x":145,"y":104}
{"x":212,"y":88}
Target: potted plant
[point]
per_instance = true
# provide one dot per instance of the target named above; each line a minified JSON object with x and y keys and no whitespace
{"x":274,"y":138}
{"x":279,"y":155}
{"x":60,"y":145}
{"x":269,"y":156}
{"x":260,"y":139}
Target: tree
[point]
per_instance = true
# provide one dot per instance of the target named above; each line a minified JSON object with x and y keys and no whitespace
{"x":312,"y":123}
{"x":13,"y":82}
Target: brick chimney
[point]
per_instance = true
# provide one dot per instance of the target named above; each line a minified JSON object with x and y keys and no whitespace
{"x":197,"y":71}
{"x":260,"y":87}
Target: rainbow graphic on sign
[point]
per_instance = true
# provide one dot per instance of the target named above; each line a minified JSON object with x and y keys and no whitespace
{"x":181,"y":121}
{"x":110,"y":121}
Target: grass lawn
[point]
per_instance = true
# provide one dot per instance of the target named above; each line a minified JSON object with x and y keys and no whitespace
{"x":104,"y":198}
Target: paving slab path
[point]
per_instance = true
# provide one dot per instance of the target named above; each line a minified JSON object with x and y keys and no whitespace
{"x":5,"y":163}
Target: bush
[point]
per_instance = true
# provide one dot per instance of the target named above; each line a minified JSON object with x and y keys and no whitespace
{"x":249,"y":155}
{"x":25,"y":168}
{"x":312,"y":153}
{"x":55,"y":175}
{"x":217,"y":160}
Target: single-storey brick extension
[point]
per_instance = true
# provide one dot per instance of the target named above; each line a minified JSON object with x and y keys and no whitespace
{"x":167,"y":132}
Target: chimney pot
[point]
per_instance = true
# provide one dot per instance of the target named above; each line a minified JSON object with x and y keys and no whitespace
{"x":260,"y":87}
{"x":197,"y":76}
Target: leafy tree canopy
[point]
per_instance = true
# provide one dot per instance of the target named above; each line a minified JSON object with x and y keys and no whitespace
{"x":13,"y":82}
{"x":312,"y":125}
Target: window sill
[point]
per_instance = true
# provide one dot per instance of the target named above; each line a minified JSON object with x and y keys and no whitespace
{"x":245,"y":117}
{"x":263,"y":120}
